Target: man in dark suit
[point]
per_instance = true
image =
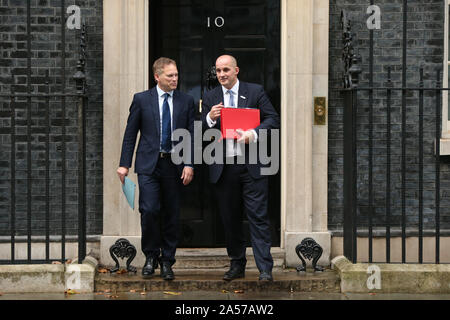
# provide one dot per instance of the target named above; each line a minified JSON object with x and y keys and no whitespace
{"x":241,"y":187}
{"x":156,"y":113}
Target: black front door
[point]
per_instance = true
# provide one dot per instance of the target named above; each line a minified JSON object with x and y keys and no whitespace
{"x":194,"y":33}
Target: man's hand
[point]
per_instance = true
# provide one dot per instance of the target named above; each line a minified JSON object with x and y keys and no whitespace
{"x":187,"y":175}
{"x":214,"y":114}
{"x":122,"y":172}
{"x":245,"y":136}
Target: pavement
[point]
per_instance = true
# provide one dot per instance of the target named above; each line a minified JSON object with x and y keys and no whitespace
{"x":209,"y":295}
{"x":194,"y":280}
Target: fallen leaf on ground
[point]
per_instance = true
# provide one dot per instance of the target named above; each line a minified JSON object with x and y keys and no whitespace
{"x":103,"y":270}
{"x":70,"y":291}
{"x":132,"y":290}
{"x":372,"y":293}
{"x":143,"y":293}
{"x":224,"y":291}
{"x":108,"y":290}
{"x":113,"y":297}
{"x":56,"y":262}
{"x":98,"y":293}
{"x":238,"y":291}
{"x":172,"y":293}
{"x":121,"y":271}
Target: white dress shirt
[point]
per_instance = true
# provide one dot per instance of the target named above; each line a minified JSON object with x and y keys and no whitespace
{"x":161,"y":94}
{"x":232,"y":147}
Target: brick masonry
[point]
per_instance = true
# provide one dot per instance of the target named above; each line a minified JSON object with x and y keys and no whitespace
{"x":425,"y":48}
{"x":46,"y":54}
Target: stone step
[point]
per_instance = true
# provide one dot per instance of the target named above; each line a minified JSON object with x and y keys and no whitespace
{"x":287,"y":280}
{"x":210,"y":258}
{"x":217,"y":258}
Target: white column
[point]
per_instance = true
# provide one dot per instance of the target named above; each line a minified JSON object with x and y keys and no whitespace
{"x":304,"y":146}
{"x":125,"y":72}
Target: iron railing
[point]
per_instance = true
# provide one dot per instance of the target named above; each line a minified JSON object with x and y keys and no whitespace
{"x":400,"y":194}
{"x":22,"y":172}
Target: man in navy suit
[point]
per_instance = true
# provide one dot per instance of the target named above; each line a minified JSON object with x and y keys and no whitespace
{"x":156,"y":113}
{"x":241,"y":187}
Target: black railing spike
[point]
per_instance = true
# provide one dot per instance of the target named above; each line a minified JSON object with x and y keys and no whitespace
{"x":47,"y":77}
{"x":350,"y":59}
{"x":389,"y":80}
{"x":80,"y":76}
{"x":13,"y":82}
{"x":421,"y":77}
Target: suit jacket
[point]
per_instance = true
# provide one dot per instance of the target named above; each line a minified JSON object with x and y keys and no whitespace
{"x":255,"y":97}
{"x":144,"y":117}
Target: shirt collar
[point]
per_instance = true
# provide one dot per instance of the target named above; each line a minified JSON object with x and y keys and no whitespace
{"x":161,"y":92}
{"x":235,"y":88}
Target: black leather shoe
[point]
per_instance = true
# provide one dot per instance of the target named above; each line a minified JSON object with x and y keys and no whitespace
{"x":235,"y":272}
{"x":265,"y":276}
{"x":149,"y":267}
{"x":166,"y":271}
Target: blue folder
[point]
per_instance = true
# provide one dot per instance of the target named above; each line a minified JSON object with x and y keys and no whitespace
{"x":129,"y":188}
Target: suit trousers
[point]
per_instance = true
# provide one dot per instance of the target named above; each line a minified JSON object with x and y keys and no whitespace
{"x":159,"y":205}
{"x":237,"y":193}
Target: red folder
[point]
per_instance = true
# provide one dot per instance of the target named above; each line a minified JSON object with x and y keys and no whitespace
{"x":237,"y":118}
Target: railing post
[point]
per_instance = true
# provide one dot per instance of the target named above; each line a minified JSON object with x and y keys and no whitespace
{"x":388,"y":165}
{"x":47,"y":167}
{"x":437,"y":166}
{"x":80,"y":79}
{"x":349,"y":175}
{"x":13,"y":171}
{"x":81,"y":179}
{"x":350,"y":83}
{"x":421,"y":96}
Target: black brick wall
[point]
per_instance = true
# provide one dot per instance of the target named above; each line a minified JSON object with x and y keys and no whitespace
{"x":46,"y":55}
{"x":424,"y":49}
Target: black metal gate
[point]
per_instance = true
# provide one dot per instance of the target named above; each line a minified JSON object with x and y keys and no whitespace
{"x":44,"y":160}
{"x":411,"y":175}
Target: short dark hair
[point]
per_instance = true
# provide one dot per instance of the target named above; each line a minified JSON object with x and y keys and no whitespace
{"x":160,"y":63}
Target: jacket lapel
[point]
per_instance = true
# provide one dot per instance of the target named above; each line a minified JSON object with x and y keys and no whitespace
{"x":176,"y":109}
{"x":219,"y":95}
{"x":242,"y":95}
{"x":154,"y":105}
{"x":219,"y":98}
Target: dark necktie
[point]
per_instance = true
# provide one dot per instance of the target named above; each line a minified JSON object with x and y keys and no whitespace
{"x":166,"y":143}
